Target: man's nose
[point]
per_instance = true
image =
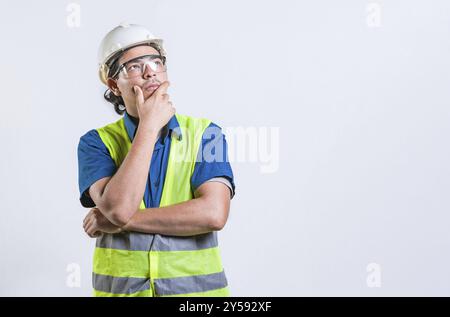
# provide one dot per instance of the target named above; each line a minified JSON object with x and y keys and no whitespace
{"x":148,"y":72}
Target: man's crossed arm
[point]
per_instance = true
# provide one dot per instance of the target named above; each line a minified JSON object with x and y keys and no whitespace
{"x":207,"y":212}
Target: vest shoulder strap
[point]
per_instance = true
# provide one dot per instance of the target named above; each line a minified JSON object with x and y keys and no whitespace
{"x":116,"y":140}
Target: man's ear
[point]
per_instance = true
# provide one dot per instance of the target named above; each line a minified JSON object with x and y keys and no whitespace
{"x":112,"y":84}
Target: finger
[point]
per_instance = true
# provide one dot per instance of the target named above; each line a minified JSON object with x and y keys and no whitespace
{"x":87,"y":231}
{"x":139,"y":95}
{"x":84,"y":225}
{"x":162,"y":89}
{"x":87,"y":222}
{"x":88,"y":225}
{"x":90,"y":230}
{"x":95,"y":234}
{"x":88,"y":216}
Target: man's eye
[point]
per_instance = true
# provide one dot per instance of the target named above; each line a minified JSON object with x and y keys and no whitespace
{"x":133,"y":67}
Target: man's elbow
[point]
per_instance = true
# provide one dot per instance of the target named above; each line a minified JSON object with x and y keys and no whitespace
{"x":219,"y":218}
{"x":120,"y":216}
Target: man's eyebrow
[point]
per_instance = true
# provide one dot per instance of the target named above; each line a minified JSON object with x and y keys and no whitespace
{"x":135,"y":59}
{"x":141,"y":57}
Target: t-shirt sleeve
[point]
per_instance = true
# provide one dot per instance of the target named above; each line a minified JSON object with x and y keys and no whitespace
{"x":225,"y":181}
{"x":212,"y":159}
{"x":94,"y":163}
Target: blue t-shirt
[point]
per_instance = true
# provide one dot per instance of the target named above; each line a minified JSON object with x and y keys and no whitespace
{"x":95,"y":162}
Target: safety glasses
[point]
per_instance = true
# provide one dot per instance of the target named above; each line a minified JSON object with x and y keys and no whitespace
{"x":137,"y":66}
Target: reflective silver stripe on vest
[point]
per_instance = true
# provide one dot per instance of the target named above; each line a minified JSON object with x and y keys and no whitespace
{"x":190,"y":284}
{"x":133,"y":241}
{"x":119,"y":285}
{"x":190,"y":243}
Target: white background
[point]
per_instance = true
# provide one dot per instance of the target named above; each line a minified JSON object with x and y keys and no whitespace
{"x":363,"y":117}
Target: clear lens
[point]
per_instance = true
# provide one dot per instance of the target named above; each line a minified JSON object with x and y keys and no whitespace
{"x":137,"y":67}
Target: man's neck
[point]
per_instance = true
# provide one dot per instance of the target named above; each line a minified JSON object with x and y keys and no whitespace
{"x":134,"y":119}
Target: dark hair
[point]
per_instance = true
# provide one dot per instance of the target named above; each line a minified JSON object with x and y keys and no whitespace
{"x":117,"y":101}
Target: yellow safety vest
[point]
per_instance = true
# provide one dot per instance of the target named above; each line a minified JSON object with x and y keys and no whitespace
{"x":141,"y":264}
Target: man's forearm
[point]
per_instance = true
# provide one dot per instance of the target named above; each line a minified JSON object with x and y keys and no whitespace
{"x":189,"y":218}
{"x":126,"y":188}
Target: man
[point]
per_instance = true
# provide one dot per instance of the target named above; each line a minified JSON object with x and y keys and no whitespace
{"x":160,"y":182}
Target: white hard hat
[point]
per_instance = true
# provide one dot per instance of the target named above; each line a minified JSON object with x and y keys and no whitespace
{"x":118,"y":40}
